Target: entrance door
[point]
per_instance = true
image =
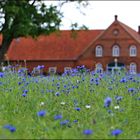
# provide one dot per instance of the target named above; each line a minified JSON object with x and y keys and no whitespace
{"x":115,"y":67}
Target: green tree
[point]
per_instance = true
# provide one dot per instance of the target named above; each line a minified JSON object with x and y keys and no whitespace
{"x":22,"y":18}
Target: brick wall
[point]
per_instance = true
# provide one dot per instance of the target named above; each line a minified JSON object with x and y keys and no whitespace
{"x":107,"y":40}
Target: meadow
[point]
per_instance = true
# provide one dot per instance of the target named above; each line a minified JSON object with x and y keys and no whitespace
{"x":78,"y":105}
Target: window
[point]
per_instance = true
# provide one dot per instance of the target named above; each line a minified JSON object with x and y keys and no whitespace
{"x":133,"y":50}
{"x":99,"y":51}
{"x":133,"y":68}
{"x":67,"y":69}
{"x":115,"y":32}
{"x":116,"y":50}
{"x":99,"y":68}
{"x":52,"y":69}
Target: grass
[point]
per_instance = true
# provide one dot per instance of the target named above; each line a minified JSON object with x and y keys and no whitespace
{"x":62,"y":95}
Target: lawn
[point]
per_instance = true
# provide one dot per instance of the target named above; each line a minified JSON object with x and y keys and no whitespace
{"x":75,"y":106}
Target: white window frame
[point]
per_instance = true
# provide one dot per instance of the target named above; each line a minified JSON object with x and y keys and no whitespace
{"x":52,"y":69}
{"x":133,"y":51}
{"x":67,"y":69}
{"x":116,"y":50}
{"x":99,"y":67}
{"x":99,"y":51}
{"x":133,"y":68}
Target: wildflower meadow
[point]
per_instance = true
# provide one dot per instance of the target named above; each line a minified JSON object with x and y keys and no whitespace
{"x":75,"y":105}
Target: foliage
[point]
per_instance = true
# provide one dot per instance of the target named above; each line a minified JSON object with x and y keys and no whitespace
{"x":69,"y":106}
{"x":25,"y":17}
{"x":22,"y":18}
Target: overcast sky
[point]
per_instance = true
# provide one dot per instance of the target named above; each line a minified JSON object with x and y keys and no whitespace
{"x":100,"y":14}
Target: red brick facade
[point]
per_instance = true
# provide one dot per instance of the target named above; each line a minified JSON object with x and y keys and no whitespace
{"x":65,"y":51}
{"x":125,"y":38}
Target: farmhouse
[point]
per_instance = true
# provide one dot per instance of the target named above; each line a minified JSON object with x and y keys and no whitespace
{"x":116,"y":47}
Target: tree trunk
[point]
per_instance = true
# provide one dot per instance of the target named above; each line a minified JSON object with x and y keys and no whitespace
{"x":4,"y":48}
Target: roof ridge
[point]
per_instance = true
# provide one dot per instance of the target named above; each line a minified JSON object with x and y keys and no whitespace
{"x":52,"y":48}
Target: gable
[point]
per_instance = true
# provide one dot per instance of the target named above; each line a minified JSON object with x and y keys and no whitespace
{"x":135,"y":35}
{"x":116,"y":31}
{"x":124,"y":35}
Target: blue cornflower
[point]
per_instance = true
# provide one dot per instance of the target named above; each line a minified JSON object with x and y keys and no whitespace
{"x":138,"y":98}
{"x":75,"y":121}
{"x":41,"y":113}
{"x":1,"y":74}
{"x":77,"y":108}
{"x":97,"y":80}
{"x":7,"y":126}
{"x":130,"y":78}
{"x":107,"y":102}
{"x":24,"y":94}
{"x":57,"y":117}
{"x":42,"y":67}
{"x":25,"y":91}
{"x":123,"y":80}
{"x":97,"y":83}
{"x":57,"y":94}
{"x":133,"y":80}
{"x":78,"y":67}
{"x":64,"y":122}
{"x":116,"y":132}
{"x":38,"y":67}
{"x":87,"y":132}
{"x":110,"y":88}
{"x":19,"y":83}
{"x":10,"y":127}
{"x":131,"y":89}
{"x":109,"y":111}
{"x":118,"y":98}
{"x":91,"y":81}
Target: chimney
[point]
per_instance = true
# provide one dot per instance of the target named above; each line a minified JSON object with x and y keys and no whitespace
{"x":139,"y":30}
{"x":116,"y":16}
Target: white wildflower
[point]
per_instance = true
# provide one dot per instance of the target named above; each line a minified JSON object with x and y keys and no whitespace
{"x":3,"y":68}
{"x":112,"y":127}
{"x":88,"y":106}
{"x":42,"y":104}
{"x":62,"y":103}
{"x":116,"y":107}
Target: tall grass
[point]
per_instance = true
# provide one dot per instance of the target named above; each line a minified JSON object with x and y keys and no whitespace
{"x":69,"y":105}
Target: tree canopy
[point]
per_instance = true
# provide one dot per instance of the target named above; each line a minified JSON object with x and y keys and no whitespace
{"x":22,"y":18}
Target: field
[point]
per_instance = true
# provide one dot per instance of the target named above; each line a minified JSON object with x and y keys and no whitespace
{"x":75,"y":106}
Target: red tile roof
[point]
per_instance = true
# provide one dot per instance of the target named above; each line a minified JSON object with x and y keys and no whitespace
{"x":57,"y":46}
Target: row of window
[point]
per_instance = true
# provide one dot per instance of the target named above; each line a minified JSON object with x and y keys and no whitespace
{"x":52,"y":69}
{"x":115,"y":51}
{"x":132,"y":67}
{"x":99,"y":67}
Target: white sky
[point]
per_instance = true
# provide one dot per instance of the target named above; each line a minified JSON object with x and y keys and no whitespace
{"x":100,"y":14}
